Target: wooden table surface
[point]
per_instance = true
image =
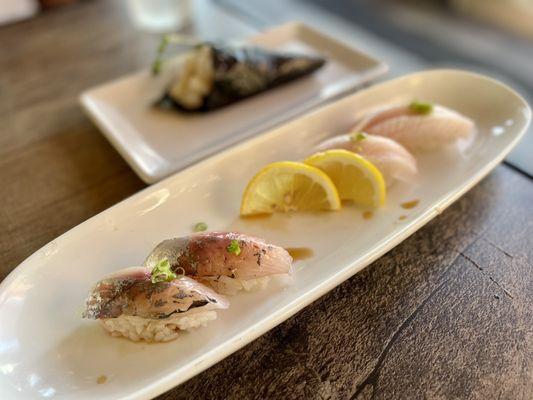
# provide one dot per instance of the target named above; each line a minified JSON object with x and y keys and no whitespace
{"x":448,"y":314}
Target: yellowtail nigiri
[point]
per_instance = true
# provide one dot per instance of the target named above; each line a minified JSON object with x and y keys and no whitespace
{"x":227,"y":261}
{"x":417,"y":126}
{"x":390,"y":157}
{"x":151,"y":305}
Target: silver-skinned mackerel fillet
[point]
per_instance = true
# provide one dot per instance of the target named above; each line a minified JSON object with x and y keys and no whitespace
{"x":208,"y":255}
{"x":131,"y":292}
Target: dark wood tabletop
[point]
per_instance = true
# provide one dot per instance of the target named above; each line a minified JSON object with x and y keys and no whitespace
{"x":448,"y":314}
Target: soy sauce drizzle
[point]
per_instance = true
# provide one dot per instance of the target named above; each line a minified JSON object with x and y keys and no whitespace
{"x":300,"y":253}
{"x":255,"y":217}
{"x":410,"y":204}
{"x":368,"y":214}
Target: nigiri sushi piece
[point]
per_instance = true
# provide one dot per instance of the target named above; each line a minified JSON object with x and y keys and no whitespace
{"x":417,"y":126}
{"x":212,"y":76}
{"x":226,"y":261}
{"x":151,"y":305}
{"x":390,"y":157}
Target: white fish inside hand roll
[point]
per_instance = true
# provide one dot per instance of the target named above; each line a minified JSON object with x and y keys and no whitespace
{"x":195,"y":79}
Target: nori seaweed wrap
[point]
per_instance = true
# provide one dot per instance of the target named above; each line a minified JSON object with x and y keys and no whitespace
{"x":212,"y":77}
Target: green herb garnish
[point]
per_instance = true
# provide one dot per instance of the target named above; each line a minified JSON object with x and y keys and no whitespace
{"x":420,"y":107}
{"x":158,"y":62}
{"x":234,"y":247}
{"x":171,"y":38}
{"x":358,"y":136}
{"x":200,"y":227}
{"x":156,"y":66}
{"x":162,"y":272}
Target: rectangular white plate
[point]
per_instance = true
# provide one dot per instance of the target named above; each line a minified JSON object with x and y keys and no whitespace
{"x":157,"y":143}
{"x":47,"y":349}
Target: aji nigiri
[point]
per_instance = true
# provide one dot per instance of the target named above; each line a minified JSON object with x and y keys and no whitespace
{"x":152,"y":305}
{"x":417,"y":126}
{"x":391,"y":158}
{"x":226,"y":261}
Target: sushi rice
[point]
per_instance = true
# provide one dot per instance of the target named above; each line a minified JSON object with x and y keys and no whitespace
{"x":156,"y":330}
{"x":230,"y":286}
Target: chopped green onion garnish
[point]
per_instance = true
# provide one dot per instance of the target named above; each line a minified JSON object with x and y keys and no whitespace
{"x":158,"y":62}
{"x":156,"y":66}
{"x":358,"y":136}
{"x":200,"y":227}
{"x":234,"y":247}
{"x":162,"y":272}
{"x":163,"y":45}
{"x":420,"y":107}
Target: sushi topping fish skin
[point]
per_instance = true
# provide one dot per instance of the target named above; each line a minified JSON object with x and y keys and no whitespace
{"x":213,"y":76}
{"x":131,"y":292}
{"x":212,"y":254}
{"x":418,"y":126}
{"x":162,"y":272}
{"x":234,"y":248}
{"x":422,"y":108}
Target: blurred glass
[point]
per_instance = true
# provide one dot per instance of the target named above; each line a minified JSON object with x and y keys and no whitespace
{"x":160,"y":16}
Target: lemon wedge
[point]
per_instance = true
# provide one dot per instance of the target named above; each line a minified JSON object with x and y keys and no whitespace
{"x":356,"y":178}
{"x":289,"y":186}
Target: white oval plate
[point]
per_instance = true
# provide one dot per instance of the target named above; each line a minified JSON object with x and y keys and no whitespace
{"x":47,"y":350}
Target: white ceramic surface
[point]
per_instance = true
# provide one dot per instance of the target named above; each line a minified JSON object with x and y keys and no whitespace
{"x":157,"y":143}
{"x":47,"y":350}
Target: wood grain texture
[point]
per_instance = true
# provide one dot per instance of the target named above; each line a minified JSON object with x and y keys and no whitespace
{"x":56,"y":169}
{"x":448,"y":314}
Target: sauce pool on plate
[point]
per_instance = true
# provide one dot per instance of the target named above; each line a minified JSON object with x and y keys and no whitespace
{"x":300,"y":253}
{"x":410,"y":204}
{"x":255,"y":217}
{"x":368,"y":214}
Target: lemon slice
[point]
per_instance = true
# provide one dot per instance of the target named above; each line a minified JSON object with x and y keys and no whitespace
{"x":356,"y":178}
{"x":289,"y":186}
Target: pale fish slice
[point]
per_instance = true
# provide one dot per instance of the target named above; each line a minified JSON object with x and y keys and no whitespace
{"x":391,"y":158}
{"x":418,"y":132}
